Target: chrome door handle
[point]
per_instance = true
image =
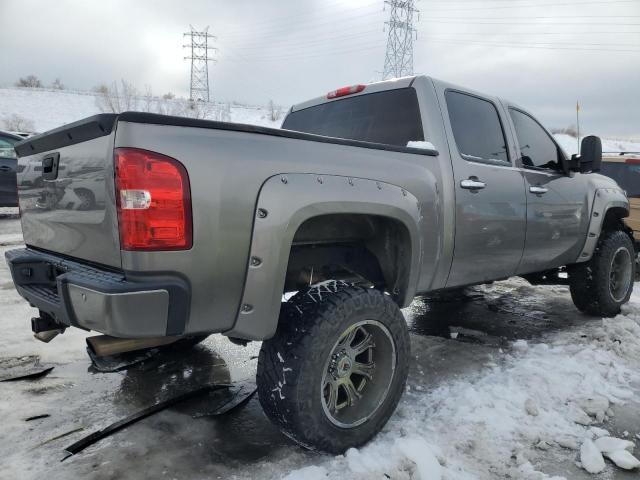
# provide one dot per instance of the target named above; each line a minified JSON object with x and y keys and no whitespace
{"x":538,"y":190}
{"x":472,"y":184}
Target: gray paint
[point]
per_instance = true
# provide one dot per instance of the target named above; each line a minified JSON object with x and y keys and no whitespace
{"x":316,"y":195}
{"x":56,"y":224}
{"x":460,"y":237}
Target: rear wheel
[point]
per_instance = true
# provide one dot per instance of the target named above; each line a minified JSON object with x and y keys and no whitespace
{"x":604,"y":283}
{"x":335,"y":370}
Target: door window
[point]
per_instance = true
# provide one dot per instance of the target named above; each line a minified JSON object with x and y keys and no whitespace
{"x":537,"y":149}
{"x":476,"y":128}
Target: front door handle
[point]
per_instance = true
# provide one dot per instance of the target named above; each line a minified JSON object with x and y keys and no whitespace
{"x":472,"y":183}
{"x":4,"y":168}
{"x":538,"y":190}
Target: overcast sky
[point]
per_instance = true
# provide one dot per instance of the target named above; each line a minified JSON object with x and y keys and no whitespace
{"x":542,"y":54}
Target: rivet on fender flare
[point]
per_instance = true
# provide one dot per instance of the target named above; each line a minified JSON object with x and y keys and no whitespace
{"x":246,"y":308}
{"x":351,"y":181}
{"x":262,"y":213}
{"x":320,"y":180}
{"x":284,"y":180}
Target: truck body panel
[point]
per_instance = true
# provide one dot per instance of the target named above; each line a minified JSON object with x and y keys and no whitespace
{"x":472,"y":207}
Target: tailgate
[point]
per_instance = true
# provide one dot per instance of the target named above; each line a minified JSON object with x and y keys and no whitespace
{"x":66,"y":191}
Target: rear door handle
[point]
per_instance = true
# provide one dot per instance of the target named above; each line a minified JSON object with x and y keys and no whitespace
{"x":472,"y":184}
{"x":538,"y":190}
{"x":4,"y":168}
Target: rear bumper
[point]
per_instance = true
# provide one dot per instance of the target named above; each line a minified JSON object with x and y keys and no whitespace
{"x":126,"y":305}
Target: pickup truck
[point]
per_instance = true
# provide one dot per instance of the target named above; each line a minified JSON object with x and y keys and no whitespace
{"x":365,"y":198}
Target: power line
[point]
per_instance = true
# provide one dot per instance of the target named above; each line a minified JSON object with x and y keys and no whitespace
{"x":534,"y":5}
{"x":199,"y":88}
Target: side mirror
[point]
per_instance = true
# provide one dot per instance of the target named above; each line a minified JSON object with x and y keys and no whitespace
{"x":590,"y":157}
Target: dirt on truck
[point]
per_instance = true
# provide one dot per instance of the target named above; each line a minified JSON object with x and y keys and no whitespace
{"x":153,"y":228}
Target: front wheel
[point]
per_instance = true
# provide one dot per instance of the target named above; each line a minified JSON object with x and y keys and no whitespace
{"x":604,"y":283}
{"x":335,"y":370}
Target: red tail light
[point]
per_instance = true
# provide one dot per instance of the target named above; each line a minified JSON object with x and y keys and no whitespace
{"x":341,"y":92}
{"x":153,"y":200}
{"x":635,"y":161}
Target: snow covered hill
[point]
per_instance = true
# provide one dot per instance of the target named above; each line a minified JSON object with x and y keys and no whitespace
{"x":48,"y":109}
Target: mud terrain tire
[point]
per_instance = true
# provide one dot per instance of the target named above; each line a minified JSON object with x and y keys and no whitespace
{"x":600,"y":286}
{"x":307,"y":371}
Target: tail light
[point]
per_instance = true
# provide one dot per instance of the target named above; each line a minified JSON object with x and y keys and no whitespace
{"x":153,"y":200}
{"x":341,"y":92}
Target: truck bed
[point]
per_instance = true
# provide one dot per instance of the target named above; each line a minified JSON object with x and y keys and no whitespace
{"x":227,"y":165}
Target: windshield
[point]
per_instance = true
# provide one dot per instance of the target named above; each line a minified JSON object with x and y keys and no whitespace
{"x":391,"y":117}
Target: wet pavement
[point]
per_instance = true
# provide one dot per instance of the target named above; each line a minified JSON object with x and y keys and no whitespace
{"x":450,"y":334}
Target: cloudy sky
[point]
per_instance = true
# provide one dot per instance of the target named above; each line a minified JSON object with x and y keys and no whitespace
{"x":542,"y":54}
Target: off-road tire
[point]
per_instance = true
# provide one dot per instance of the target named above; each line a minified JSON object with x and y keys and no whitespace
{"x":292,"y":363}
{"x":589,"y":281}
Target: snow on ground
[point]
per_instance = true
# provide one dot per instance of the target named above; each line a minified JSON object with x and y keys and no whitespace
{"x":531,"y":399}
{"x":525,"y":404}
{"x":570,"y":144}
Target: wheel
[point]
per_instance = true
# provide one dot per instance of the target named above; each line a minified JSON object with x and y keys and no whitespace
{"x":336,"y":368}
{"x":601,"y":285}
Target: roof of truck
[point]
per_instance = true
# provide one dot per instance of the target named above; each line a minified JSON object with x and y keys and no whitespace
{"x":391,"y":84}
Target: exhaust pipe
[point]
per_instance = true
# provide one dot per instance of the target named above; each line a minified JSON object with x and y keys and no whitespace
{"x":45,"y":328}
{"x":104,"y":345}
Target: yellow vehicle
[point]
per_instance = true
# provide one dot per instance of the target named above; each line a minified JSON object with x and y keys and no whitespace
{"x":624,"y":168}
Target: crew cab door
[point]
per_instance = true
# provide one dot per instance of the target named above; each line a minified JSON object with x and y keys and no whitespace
{"x":490,"y":210}
{"x":557,"y":202}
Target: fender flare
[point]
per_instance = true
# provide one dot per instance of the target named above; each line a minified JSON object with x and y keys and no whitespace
{"x":604,"y":200}
{"x":285,"y":201}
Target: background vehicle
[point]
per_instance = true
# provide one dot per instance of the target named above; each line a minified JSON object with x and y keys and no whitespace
{"x":8,"y":165}
{"x":624,"y":168}
{"x":204,"y":226}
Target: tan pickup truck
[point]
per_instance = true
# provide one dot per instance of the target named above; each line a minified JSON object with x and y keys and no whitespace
{"x":624,"y":168}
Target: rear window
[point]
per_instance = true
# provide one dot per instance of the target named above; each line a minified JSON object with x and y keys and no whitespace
{"x":476,"y":127}
{"x":391,"y":117}
{"x":626,"y":174}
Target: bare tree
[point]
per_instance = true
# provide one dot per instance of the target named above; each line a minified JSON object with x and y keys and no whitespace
{"x":147,"y":98}
{"x":275,"y":111}
{"x":168,"y":96}
{"x":17,"y":123}
{"x":116,"y":98}
{"x":57,"y":84}
{"x":30,"y":81}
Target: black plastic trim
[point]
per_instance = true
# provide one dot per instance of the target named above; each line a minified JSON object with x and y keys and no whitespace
{"x":56,"y":273}
{"x":103,"y":124}
{"x":76,"y":132}
{"x":155,"y":119}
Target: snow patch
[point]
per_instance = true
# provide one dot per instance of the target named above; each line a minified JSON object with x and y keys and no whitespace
{"x":421,"y":144}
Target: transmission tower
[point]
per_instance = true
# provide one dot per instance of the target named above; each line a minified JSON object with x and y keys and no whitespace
{"x":398,"y":61}
{"x":199,"y":63}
